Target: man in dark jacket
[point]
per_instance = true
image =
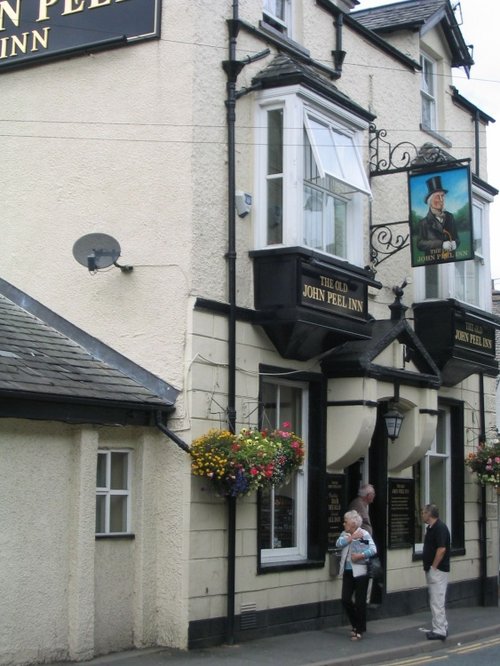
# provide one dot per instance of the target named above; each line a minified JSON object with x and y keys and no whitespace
{"x":436,"y":560}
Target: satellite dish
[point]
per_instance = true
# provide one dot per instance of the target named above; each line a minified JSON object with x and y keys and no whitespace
{"x":96,"y":251}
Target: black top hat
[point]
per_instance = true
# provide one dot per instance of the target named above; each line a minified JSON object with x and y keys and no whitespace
{"x":434,"y":185}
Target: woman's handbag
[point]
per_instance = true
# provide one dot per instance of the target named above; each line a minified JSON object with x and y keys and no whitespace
{"x":374,"y":568}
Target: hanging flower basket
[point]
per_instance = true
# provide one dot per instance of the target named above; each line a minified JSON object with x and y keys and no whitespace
{"x":238,"y":464}
{"x":485,"y":462}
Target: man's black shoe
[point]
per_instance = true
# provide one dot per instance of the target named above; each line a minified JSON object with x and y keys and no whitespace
{"x":431,"y":636}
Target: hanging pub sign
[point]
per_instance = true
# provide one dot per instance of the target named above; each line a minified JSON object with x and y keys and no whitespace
{"x":35,"y":30}
{"x":441,"y":228}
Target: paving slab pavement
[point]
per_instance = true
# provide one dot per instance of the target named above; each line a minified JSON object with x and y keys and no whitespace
{"x":385,"y":640}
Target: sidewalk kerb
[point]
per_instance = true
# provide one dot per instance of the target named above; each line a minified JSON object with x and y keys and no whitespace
{"x":422,"y":647}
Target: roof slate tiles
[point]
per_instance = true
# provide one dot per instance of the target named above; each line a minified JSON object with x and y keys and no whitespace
{"x":403,"y":14}
{"x":38,"y":361}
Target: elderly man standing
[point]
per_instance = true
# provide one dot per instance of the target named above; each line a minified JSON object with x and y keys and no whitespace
{"x":366,"y":495}
{"x":436,"y":560}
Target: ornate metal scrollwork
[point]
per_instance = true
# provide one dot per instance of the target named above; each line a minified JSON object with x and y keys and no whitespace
{"x":385,"y":158}
{"x":384,"y":242}
{"x":403,"y":156}
{"x":388,"y":159}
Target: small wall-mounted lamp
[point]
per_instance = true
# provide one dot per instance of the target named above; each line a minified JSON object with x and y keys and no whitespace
{"x":393,"y":417}
{"x":393,"y":421}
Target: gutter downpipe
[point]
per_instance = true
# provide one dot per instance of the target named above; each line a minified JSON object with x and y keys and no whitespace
{"x":232,"y":68}
{"x":170,"y":434}
{"x":482,"y":519}
{"x":338,"y":54}
{"x":476,"y":141}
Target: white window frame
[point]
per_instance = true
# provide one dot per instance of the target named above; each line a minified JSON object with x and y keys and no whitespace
{"x":297,"y":553}
{"x":297,"y":104}
{"x":425,"y":464}
{"x":480,"y":264}
{"x":107,"y":492}
{"x":447,"y":276}
{"x":340,"y":144}
{"x":428,"y":96}
{"x":281,"y":23}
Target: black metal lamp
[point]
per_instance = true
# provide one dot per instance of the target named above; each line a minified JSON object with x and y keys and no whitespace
{"x":393,"y":417}
{"x":393,"y":421}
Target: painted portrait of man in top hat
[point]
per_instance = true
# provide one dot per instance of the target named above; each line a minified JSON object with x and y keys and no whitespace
{"x":437,"y":237}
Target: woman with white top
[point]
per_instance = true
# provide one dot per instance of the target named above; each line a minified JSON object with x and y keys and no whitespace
{"x":357,"y":548}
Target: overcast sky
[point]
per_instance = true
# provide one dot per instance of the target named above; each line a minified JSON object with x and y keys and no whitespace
{"x":481,"y":19}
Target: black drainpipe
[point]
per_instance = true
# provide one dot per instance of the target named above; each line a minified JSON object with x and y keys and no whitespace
{"x":171,"y":435}
{"x":482,"y":519}
{"x":232,"y":68}
{"x":338,"y":54}
{"x":476,"y":142}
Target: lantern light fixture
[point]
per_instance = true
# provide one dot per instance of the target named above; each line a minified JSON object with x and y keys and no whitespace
{"x":393,"y":417}
{"x":393,"y":422}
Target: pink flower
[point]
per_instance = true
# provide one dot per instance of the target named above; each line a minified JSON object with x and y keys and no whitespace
{"x":254,"y":471}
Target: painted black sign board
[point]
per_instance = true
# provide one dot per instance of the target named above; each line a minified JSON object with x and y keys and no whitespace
{"x":336,"y":498}
{"x":475,"y":336}
{"x":35,"y":30}
{"x":401,"y":513}
{"x":325,"y":289}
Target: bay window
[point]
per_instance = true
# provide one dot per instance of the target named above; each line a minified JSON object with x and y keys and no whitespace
{"x":313,"y":188}
{"x":466,"y":281}
{"x":468,"y":274}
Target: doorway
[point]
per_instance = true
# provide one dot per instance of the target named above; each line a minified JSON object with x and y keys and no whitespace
{"x":377,"y":476}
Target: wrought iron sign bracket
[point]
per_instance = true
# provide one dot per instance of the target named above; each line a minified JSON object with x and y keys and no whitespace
{"x":384,"y":242}
{"x":403,"y":157}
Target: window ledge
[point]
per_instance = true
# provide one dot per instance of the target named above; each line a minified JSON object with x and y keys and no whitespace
{"x":277,"y":34}
{"x":436,"y":135}
{"x":115,"y":536}
{"x":276,"y":567}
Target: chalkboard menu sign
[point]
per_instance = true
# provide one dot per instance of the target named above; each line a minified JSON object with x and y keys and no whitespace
{"x":401,"y":513}
{"x":336,"y":489}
